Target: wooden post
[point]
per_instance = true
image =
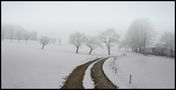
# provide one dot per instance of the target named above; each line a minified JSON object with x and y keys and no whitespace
{"x":116,"y":70}
{"x":130,"y":79}
{"x":113,"y":64}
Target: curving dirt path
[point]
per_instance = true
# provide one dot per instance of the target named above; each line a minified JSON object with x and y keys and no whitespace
{"x":99,"y":78}
{"x":75,"y":79}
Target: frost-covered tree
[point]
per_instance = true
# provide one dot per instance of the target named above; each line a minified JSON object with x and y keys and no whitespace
{"x":17,"y":32}
{"x":168,"y":41}
{"x":123,"y":44}
{"x":33,"y":35}
{"x":59,"y":41}
{"x":92,"y":43}
{"x":11,"y":32}
{"x":109,"y":37}
{"x":53,"y":40}
{"x":3,"y":34}
{"x":139,"y":34}
{"x":77,"y":39}
{"x":44,"y":40}
{"x":19,"y":35}
{"x":27,"y":36}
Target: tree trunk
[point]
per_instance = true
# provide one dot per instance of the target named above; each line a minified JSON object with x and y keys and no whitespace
{"x":136,"y":49}
{"x":11,"y":37}
{"x":19,"y":37}
{"x":109,"y":51}
{"x":43,"y":46}
{"x":140,"y":50}
{"x":26,"y":41}
{"x":171,"y":52}
{"x":90,"y":51}
{"x":18,"y":40}
{"x":77,"y":48}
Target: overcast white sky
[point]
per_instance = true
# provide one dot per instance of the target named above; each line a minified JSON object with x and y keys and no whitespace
{"x":59,"y":19}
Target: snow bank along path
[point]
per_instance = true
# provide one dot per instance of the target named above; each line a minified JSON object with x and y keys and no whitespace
{"x":87,"y":81}
{"x":147,"y":71}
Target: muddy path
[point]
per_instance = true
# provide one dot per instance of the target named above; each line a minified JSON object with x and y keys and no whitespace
{"x":99,"y":77}
{"x":75,"y":79}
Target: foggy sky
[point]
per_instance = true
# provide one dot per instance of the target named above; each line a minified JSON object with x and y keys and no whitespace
{"x":59,"y":19}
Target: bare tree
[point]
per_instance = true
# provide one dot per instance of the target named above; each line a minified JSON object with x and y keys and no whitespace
{"x":44,"y":40}
{"x":92,"y":43}
{"x":27,"y":36}
{"x":108,"y":37}
{"x":11,"y":31}
{"x":77,"y":40}
{"x":3,"y":34}
{"x":59,"y":41}
{"x":168,"y":41}
{"x":18,"y":32}
{"x":20,"y":35}
{"x":11,"y":34}
{"x":124,"y":44}
{"x":33,"y":35}
{"x":139,"y":34}
{"x":53,"y":40}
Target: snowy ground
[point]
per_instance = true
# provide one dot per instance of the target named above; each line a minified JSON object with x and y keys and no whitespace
{"x":25,"y":65}
{"x":146,"y":71}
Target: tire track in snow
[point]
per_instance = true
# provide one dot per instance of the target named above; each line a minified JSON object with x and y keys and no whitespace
{"x":75,"y":79}
{"x":99,"y":77}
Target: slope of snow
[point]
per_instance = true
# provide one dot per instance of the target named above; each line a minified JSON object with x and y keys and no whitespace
{"x":146,"y":71}
{"x":25,"y":65}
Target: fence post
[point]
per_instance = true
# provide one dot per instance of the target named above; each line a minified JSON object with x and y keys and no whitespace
{"x":113,"y":66}
{"x":115,"y":70}
{"x":130,"y":79}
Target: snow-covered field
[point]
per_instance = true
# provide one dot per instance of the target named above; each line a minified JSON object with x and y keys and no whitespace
{"x":25,"y":65}
{"x":146,"y":71}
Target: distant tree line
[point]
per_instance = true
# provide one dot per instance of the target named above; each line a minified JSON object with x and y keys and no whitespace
{"x":139,"y":38}
{"x":14,"y":32}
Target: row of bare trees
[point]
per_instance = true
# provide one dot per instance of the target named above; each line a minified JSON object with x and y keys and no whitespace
{"x":15,"y":32}
{"x":108,"y":38}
